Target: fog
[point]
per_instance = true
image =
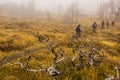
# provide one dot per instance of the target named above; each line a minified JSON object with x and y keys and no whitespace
{"x":10,"y":6}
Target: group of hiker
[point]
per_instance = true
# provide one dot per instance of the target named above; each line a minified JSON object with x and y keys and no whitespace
{"x":107,"y":24}
{"x":94,"y":26}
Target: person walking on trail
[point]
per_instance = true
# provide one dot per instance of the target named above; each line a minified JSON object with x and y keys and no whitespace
{"x":102,"y":24}
{"x":113,"y":23}
{"x":78,"y":31}
{"x":107,"y":24}
{"x":94,"y":26}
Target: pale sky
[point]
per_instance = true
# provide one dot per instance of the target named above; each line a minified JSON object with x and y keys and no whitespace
{"x":89,"y":6}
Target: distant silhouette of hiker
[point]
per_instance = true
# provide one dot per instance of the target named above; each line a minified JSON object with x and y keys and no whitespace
{"x":102,"y":24}
{"x":107,"y":24}
{"x":113,"y":23}
{"x":94,"y":26}
{"x":78,"y":31}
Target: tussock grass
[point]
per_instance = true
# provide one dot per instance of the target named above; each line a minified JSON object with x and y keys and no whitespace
{"x":17,"y":37}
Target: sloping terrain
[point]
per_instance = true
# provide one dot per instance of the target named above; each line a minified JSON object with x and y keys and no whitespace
{"x":25,"y":42}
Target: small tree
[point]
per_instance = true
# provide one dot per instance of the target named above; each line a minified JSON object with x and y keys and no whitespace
{"x":103,"y":11}
{"x":48,"y":15}
{"x":114,"y":7}
{"x":72,"y":13}
{"x":117,"y":12}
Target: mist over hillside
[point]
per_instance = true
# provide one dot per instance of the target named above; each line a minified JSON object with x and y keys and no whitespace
{"x":31,"y":9}
{"x":48,"y":10}
{"x":13,"y":10}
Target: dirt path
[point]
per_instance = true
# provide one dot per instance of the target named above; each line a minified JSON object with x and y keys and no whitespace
{"x":13,"y":57}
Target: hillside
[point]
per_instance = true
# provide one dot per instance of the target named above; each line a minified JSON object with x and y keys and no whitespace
{"x":39,"y":45}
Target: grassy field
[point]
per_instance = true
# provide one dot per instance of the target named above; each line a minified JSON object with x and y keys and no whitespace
{"x":16,"y":38}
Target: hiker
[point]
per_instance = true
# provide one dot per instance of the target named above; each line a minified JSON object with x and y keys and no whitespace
{"x":113,"y":23}
{"x":102,"y":24}
{"x":94,"y":26}
{"x":78,"y":31}
{"x":107,"y":24}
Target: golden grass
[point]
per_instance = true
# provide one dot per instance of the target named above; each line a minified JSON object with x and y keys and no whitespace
{"x":60,"y":34}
